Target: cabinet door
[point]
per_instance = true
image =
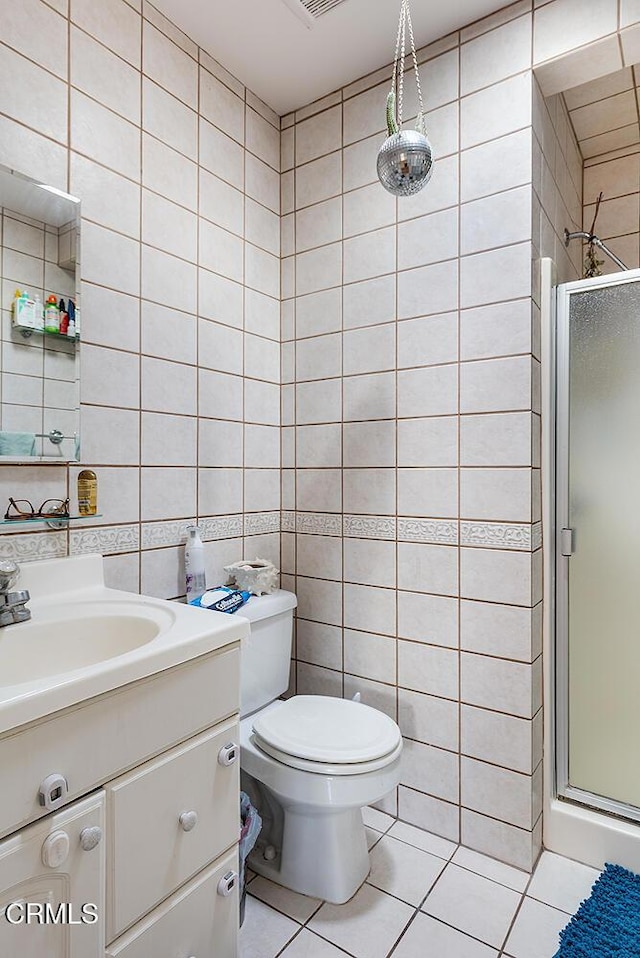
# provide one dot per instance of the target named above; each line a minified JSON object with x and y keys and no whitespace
{"x":167,"y":820}
{"x":30,"y":873}
{"x":197,"y":921}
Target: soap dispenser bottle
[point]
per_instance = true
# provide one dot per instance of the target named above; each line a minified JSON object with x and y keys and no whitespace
{"x":194,"y":564}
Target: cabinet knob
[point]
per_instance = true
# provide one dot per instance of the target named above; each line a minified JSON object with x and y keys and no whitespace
{"x":228,"y":754}
{"x":188,"y":820}
{"x":55,"y":849}
{"x":90,"y":837}
{"x":227,"y":883}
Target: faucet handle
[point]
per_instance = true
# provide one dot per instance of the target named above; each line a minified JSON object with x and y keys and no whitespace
{"x":9,"y":572}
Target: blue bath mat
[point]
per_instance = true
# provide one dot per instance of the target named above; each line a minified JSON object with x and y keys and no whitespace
{"x":607,"y":924}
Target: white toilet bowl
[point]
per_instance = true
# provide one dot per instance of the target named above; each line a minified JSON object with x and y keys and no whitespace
{"x":312,"y":763}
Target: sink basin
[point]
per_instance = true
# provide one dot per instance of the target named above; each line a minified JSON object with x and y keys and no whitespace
{"x":84,"y":639}
{"x":84,"y":634}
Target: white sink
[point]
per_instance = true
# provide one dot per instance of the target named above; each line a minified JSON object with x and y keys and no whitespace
{"x":84,"y":639}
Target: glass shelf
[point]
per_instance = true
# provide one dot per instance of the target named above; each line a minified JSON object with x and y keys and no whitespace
{"x":50,"y":520}
{"x":28,"y":331}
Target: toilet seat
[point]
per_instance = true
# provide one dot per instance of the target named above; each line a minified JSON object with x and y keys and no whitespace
{"x":328,"y":735}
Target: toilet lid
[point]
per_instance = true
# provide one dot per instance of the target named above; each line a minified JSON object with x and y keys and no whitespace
{"x":319,"y":728}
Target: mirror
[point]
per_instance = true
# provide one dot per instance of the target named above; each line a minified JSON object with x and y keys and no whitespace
{"x":39,"y":370}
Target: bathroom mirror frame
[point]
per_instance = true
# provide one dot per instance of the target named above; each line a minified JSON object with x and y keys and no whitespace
{"x":40,"y":242}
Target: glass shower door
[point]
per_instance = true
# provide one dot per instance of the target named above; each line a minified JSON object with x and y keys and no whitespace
{"x":598,"y":538}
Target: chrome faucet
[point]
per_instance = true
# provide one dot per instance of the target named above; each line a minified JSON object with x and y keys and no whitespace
{"x":12,"y":604}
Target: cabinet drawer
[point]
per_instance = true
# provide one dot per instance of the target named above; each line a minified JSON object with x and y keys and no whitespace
{"x":29,"y":873}
{"x":101,"y":738}
{"x":150,"y":851}
{"x":197,"y":921}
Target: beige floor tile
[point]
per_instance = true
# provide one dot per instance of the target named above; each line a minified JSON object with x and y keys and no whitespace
{"x":296,"y":906}
{"x":403,"y":870}
{"x":473,"y":904}
{"x":428,"y":938}
{"x":265,"y":931}
{"x":560,"y":882}
{"x":535,"y":931}
{"x":366,"y":927}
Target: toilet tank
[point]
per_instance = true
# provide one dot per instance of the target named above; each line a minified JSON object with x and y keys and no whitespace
{"x":265,"y":655}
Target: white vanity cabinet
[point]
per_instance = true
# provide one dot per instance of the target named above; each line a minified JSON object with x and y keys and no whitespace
{"x":155,"y":765}
{"x":46,"y":864}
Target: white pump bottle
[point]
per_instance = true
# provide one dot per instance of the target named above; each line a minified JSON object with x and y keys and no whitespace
{"x":194,"y":564}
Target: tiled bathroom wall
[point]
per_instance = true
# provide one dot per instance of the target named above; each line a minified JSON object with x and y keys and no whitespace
{"x":410,"y":432}
{"x":177,"y":167}
{"x":411,"y":405}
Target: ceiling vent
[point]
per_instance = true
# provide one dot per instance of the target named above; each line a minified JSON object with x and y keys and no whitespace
{"x":311,"y":10}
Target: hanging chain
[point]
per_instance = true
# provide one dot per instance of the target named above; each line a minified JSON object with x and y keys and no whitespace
{"x":397,"y":81}
{"x":421,"y":124}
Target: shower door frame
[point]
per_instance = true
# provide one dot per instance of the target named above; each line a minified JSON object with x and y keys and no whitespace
{"x":561,"y":517}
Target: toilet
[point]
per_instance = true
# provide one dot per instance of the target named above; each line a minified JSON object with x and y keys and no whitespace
{"x":309,"y":763}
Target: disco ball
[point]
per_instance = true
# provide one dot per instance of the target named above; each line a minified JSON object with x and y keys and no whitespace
{"x":405,"y":162}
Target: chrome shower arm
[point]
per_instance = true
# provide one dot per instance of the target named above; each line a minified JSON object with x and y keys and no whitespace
{"x":592,"y":238}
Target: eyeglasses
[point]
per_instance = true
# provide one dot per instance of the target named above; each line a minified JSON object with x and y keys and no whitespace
{"x":50,"y":509}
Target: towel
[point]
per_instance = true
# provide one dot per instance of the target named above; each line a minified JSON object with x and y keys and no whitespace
{"x":17,"y":444}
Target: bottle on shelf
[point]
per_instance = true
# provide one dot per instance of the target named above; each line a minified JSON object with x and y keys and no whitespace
{"x":64,"y":318}
{"x":51,"y":316}
{"x":87,"y":493}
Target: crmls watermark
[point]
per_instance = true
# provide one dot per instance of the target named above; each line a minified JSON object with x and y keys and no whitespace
{"x":44,"y":913}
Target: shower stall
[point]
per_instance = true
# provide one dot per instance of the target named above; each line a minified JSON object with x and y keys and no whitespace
{"x":591,"y":481}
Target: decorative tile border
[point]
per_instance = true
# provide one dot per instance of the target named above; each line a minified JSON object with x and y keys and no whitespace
{"x":155,"y":535}
{"x":104,"y":539}
{"x":261,"y":523}
{"x":319,"y":523}
{"x":220,"y":527}
{"x":434,"y":531}
{"x":369,"y":527}
{"x":33,"y":545}
{"x":287,"y":522}
{"x":536,"y":536}
{"x":497,"y":535}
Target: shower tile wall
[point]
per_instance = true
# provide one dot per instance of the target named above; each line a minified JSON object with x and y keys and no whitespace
{"x":177,"y":167}
{"x":411,"y":490}
{"x":617,"y":175}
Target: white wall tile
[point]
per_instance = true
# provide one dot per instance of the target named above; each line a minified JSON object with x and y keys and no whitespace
{"x":369,"y":255}
{"x":168,"y":119}
{"x":431,"y":391}
{"x":427,"y":568}
{"x":318,"y":225}
{"x":318,"y":135}
{"x":428,"y":239}
{"x":221,"y":106}
{"x":221,"y":155}
{"x":495,"y":55}
{"x":565,"y":25}
{"x":499,"y":109}
{"x":46,"y":31}
{"x":113,"y":23}
{"x":429,"y":289}
{"x":368,"y":350}
{"x":104,"y":76}
{"x":165,"y":63}
{"x":369,"y":302}
{"x":318,"y":180}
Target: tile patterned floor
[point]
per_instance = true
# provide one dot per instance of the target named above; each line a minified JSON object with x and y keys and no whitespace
{"x":424,"y":898}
